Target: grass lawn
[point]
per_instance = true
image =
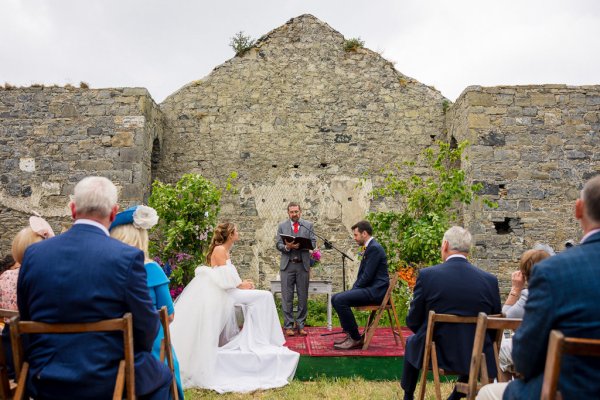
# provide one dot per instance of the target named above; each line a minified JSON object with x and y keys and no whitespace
{"x":323,"y":389}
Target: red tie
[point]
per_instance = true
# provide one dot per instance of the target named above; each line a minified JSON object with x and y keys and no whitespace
{"x":296,"y":225}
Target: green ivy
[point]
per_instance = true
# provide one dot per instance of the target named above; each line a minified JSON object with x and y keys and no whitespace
{"x":425,"y":206}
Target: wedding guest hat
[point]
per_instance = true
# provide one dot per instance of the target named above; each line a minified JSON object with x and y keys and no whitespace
{"x":41,"y":227}
{"x":141,"y":216}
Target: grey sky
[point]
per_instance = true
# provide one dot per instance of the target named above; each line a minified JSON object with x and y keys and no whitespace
{"x":162,"y":45}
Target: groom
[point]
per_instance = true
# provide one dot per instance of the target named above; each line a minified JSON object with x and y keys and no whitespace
{"x":371,"y":284}
{"x":295,"y":268}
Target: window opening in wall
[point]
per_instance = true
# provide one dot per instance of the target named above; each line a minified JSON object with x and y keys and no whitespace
{"x":154,"y":159}
{"x":503,"y":227}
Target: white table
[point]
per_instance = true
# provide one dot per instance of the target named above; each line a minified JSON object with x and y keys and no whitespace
{"x":314,"y":287}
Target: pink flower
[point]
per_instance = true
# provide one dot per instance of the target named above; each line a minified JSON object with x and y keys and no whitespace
{"x":316,"y":255}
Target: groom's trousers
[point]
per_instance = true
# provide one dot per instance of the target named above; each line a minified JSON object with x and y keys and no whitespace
{"x":294,"y":278}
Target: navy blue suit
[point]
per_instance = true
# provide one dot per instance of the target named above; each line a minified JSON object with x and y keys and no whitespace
{"x":564,"y":294}
{"x":85,"y":276}
{"x":454,"y":287}
{"x":372,"y":282}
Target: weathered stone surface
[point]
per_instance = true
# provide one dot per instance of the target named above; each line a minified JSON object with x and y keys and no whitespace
{"x":301,"y":119}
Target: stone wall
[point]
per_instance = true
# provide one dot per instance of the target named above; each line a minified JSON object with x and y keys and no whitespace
{"x":52,"y":137}
{"x":299,"y":119}
{"x":533,"y":148}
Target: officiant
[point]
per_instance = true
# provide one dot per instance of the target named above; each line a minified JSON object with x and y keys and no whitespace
{"x":295,"y":267}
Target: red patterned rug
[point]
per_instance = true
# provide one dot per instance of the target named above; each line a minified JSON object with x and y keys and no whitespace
{"x":315,"y":345}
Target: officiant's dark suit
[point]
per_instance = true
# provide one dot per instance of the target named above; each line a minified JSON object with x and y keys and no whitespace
{"x":453,"y":287}
{"x":294,"y":268}
{"x":371,"y":284}
{"x":83,"y":275}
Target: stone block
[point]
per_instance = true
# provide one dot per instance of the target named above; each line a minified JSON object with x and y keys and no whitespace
{"x":478,"y":121}
{"x":122,"y":139}
{"x":130,"y":155}
{"x":27,"y":164}
{"x":543,"y":99}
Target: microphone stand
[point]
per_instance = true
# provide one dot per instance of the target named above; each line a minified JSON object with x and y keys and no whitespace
{"x":329,"y":245}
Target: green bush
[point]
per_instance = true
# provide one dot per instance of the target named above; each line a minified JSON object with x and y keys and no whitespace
{"x":353,"y":44}
{"x":241,"y":43}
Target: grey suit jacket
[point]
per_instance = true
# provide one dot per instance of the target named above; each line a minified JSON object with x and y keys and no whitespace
{"x":285,"y":228}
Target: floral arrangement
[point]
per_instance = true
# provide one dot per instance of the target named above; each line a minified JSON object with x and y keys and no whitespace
{"x":408,"y":275}
{"x":315,"y":257}
{"x":174,"y":269}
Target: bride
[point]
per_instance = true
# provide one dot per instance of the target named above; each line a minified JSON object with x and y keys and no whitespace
{"x":213,"y":352}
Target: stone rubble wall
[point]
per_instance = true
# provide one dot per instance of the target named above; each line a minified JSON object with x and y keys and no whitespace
{"x":51,"y":137}
{"x":299,"y":119}
{"x":533,"y":148}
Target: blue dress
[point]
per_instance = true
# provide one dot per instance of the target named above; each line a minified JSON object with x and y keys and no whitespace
{"x":158,"y":283}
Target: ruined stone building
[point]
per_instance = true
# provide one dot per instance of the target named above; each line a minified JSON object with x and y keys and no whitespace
{"x":299,"y":118}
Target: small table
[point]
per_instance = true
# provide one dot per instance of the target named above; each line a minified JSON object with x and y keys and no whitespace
{"x":314,"y":287}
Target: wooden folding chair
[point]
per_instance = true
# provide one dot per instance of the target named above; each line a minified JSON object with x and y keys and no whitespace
{"x":166,"y":351}
{"x":7,"y":386}
{"x":125,"y":374}
{"x":478,"y":373}
{"x":558,"y":345}
{"x":430,"y":355}
{"x":376,"y":313}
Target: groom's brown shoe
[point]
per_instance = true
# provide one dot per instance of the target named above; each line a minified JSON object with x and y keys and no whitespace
{"x":302,"y":332}
{"x":290,"y":332}
{"x":349,"y":344}
{"x":342,"y":340}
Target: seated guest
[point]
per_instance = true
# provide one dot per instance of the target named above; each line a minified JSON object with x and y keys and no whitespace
{"x":131,"y":227}
{"x":563,"y":295}
{"x":37,"y":231}
{"x":454,"y":287}
{"x":514,"y":307}
{"x":371,"y":284}
{"x":83,"y":275}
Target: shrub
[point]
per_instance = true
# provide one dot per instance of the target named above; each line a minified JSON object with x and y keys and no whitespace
{"x":353,"y":44}
{"x":241,"y":43}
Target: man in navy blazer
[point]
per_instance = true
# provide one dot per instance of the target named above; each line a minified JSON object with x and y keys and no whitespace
{"x":83,"y":275}
{"x":371,"y":284}
{"x":454,"y":287}
{"x":564,"y":295}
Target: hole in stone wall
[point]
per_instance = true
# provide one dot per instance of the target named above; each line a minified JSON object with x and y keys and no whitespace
{"x":503,"y":227}
{"x":274,"y":165}
{"x":154,"y":164}
{"x":296,"y":165}
{"x":323,"y":164}
{"x":453,"y":143}
{"x":501,"y":186}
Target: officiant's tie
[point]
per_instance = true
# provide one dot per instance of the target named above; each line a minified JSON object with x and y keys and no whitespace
{"x":296,"y":227}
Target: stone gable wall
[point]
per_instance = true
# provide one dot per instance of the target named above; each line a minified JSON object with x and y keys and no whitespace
{"x":52,"y":137}
{"x":533,"y":148}
{"x":299,"y":119}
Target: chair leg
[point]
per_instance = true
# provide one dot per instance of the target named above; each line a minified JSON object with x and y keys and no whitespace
{"x":436,"y":372}
{"x":402,"y":340}
{"x":393,"y":327}
{"x":374,"y":322}
{"x":20,"y":392}
{"x":426,"y":358}
{"x":120,"y":384}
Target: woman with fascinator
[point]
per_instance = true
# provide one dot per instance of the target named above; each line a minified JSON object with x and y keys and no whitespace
{"x":131,"y":227}
{"x":215,"y":354}
{"x":37,"y":231}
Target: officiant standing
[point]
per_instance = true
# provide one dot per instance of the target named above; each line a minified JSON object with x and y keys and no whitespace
{"x":295,"y":268}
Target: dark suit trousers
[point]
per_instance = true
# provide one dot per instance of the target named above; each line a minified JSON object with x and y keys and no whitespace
{"x":410,"y":378}
{"x":343,"y":303}
{"x":294,"y":278}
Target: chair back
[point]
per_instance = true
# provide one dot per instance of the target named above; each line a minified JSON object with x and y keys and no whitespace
{"x":558,"y":345}
{"x":6,"y":390}
{"x":478,"y":374}
{"x":430,"y":354}
{"x":166,"y":351}
{"x":125,"y":373}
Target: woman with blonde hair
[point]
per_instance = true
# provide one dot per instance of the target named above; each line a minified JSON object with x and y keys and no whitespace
{"x":131,"y":227}
{"x":216,"y":354}
{"x":37,"y":231}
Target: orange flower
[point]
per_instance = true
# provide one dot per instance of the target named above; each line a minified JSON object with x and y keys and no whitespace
{"x":408,"y":275}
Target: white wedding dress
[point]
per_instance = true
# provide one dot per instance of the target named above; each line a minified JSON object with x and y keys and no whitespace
{"x":213,"y":352}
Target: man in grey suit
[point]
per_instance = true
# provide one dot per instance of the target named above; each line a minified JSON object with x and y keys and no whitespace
{"x":295,"y":267}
